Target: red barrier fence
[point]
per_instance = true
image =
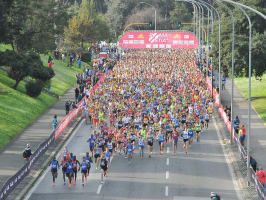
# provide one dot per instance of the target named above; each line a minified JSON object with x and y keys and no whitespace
{"x":221,"y":111}
{"x":65,"y":122}
{"x":258,"y":186}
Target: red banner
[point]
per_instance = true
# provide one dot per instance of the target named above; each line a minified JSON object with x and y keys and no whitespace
{"x":158,"y":40}
{"x":63,"y":124}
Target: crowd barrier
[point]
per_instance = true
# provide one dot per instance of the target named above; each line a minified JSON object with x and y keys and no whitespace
{"x":13,"y":181}
{"x":259,"y":187}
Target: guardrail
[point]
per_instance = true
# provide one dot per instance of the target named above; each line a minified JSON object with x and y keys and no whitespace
{"x":259,"y":187}
{"x":13,"y":181}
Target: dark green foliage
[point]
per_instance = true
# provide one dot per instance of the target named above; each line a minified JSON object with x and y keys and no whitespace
{"x":22,"y":65}
{"x":242,"y":40}
{"x":86,"y":57}
{"x":34,"y":88}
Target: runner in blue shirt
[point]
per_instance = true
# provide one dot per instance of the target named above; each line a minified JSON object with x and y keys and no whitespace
{"x":185,"y":139}
{"x":84,"y":170}
{"x":130,"y":151}
{"x":69,"y":172}
{"x":161,"y":141}
{"x":54,"y":167}
{"x":141,"y":147}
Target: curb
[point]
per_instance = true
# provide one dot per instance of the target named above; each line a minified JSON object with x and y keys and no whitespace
{"x":233,"y":158}
{"x":44,"y":166}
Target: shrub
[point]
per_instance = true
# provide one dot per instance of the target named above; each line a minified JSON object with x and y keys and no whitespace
{"x":86,"y":57}
{"x":34,"y":88}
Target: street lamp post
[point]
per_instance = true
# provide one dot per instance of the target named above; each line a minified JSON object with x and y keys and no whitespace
{"x":155,"y":26}
{"x":219,"y":51}
{"x":240,"y":6}
{"x":233,"y":62}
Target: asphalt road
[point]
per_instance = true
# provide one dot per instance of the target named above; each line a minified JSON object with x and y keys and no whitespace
{"x":168,"y":176}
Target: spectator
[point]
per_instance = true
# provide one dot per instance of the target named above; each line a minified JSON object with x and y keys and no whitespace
{"x":76,"y":94}
{"x":67,"y":106}
{"x":27,"y":152}
{"x":55,"y":123}
{"x":50,"y":59}
{"x":223,"y":82}
{"x":74,"y":105}
{"x":261,"y":174}
{"x":253,"y":163}
{"x":79,"y":63}
{"x":242,"y":135}
{"x":236,"y":124}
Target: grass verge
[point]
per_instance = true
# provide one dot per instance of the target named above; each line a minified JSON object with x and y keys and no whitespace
{"x":17,"y":110}
{"x":258,"y":93}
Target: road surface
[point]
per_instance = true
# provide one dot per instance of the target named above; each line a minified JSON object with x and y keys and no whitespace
{"x":168,"y":176}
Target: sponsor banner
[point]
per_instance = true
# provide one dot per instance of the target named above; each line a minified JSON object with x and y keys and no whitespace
{"x":65,"y":122}
{"x":12,"y":182}
{"x":162,"y":40}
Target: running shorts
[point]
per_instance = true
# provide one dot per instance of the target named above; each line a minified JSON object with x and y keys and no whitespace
{"x":150,"y":143}
{"x":185,"y":140}
{"x":96,"y":155}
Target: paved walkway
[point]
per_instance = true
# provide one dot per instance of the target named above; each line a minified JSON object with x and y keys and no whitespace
{"x":258,"y":129}
{"x":11,"y":156}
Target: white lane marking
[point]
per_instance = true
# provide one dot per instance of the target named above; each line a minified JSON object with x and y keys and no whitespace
{"x":239,"y":196}
{"x":48,"y":168}
{"x":99,"y":189}
{"x":167,"y":161}
{"x":167,"y":175}
{"x":167,"y":150}
{"x":166,"y":191}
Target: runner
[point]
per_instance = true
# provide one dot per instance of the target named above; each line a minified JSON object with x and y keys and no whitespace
{"x":198,"y":130}
{"x":185,"y":139}
{"x":130,"y":151}
{"x":64,"y":168}
{"x":69,"y":172}
{"x":54,"y":167}
{"x":104,"y":167}
{"x":175,"y":139}
{"x":76,"y":168}
{"x":161,"y":141}
{"x":141,"y":146}
{"x":84,"y":170}
{"x":150,"y":143}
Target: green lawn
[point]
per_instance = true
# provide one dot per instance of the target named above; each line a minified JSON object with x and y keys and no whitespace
{"x":64,"y":76}
{"x":258,"y":89}
{"x":17,"y":110}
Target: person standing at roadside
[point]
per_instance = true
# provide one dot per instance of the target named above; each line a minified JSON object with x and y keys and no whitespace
{"x":55,"y":122}
{"x":242,"y":135}
{"x":261,"y":174}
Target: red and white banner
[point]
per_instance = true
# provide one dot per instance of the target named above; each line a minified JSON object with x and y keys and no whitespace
{"x":162,"y":40}
{"x":63,"y":124}
{"x":220,"y":107}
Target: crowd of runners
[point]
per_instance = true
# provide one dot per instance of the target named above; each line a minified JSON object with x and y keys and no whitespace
{"x":151,"y":97}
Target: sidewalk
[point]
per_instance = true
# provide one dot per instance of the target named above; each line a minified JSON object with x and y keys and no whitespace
{"x":11,"y":155}
{"x":258,"y":129}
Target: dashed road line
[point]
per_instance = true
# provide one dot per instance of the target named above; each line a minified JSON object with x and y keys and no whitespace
{"x":167,"y":161}
{"x":166,"y":191}
{"x":99,"y":189}
{"x":167,"y":175}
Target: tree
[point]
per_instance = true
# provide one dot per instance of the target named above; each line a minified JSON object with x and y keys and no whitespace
{"x":117,"y":13}
{"x":241,"y":40}
{"x":180,"y":13}
{"x":87,"y":26}
{"x":19,"y":66}
{"x":144,"y":16}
